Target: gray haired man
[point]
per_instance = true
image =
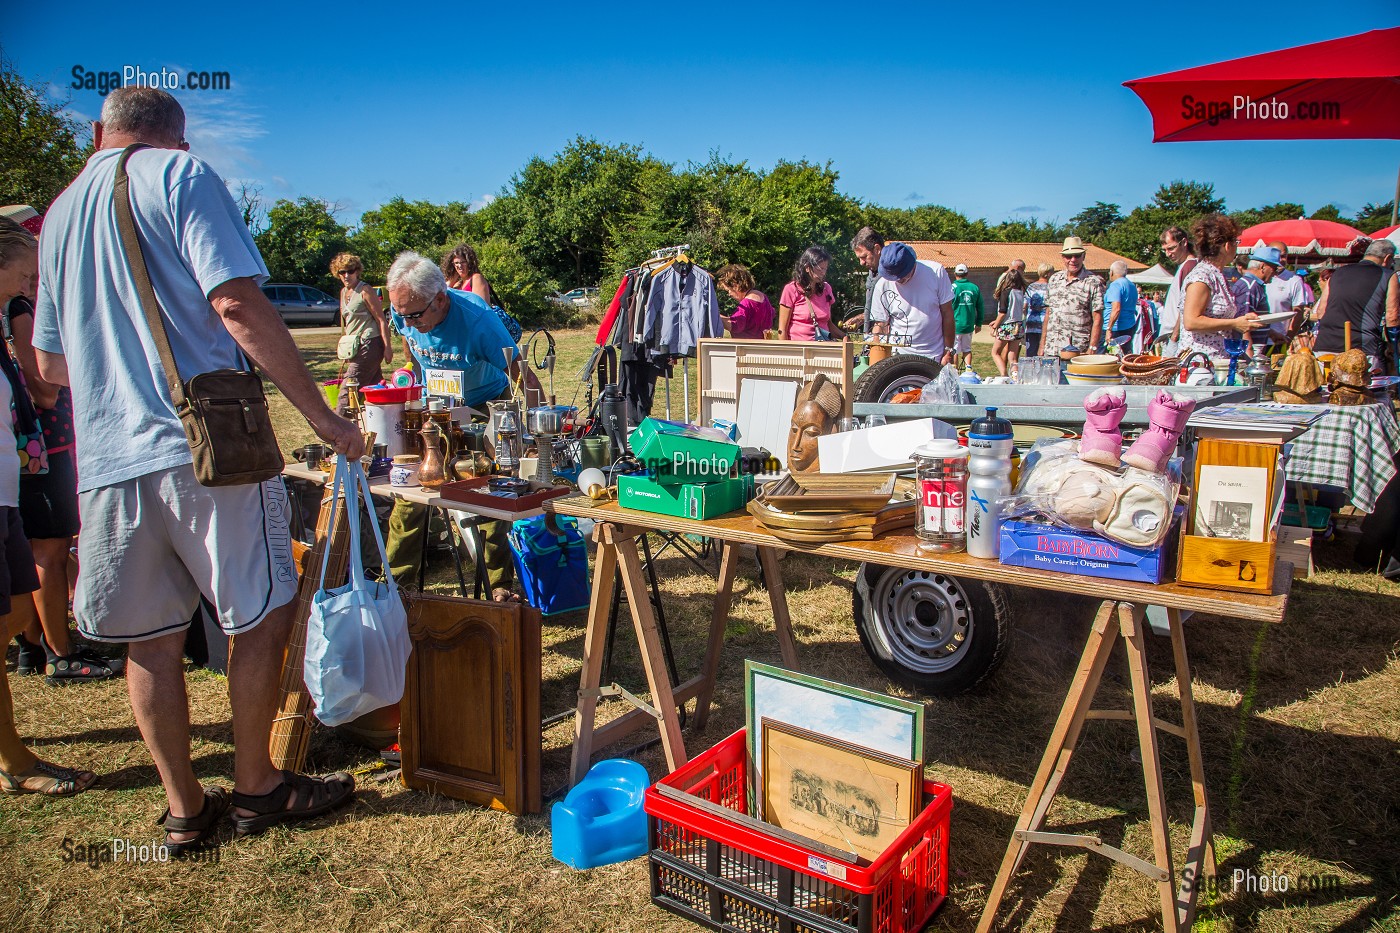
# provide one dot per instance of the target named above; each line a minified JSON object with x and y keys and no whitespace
{"x":153,"y":539}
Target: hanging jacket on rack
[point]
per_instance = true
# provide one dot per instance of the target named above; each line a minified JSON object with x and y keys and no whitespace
{"x":614,"y":308}
{"x":681,"y":308}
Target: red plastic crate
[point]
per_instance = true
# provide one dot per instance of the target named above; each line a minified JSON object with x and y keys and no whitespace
{"x":732,"y":877}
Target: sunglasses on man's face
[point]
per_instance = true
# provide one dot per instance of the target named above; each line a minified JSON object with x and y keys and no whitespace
{"x":417,"y":314}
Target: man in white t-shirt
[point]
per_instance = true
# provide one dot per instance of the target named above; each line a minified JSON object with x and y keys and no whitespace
{"x":154,"y":540}
{"x":1177,"y":245}
{"x":913,"y":302}
{"x":1286,"y":292}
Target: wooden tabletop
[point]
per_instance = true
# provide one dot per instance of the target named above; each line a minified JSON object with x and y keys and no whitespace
{"x":902,"y":550}
{"x":380,"y":486}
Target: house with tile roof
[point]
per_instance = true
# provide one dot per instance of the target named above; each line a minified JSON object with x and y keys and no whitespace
{"x":987,"y":261}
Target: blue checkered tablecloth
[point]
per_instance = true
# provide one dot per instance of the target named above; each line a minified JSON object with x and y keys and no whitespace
{"x":1351,"y":447}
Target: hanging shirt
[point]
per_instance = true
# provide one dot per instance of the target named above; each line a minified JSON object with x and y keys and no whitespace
{"x":469,"y":345}
{"x":681,"y":308}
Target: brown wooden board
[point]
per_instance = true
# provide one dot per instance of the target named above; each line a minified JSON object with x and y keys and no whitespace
{"x":471,"y":714}
{"x":474,"y":492}
{"x":902,"y":550}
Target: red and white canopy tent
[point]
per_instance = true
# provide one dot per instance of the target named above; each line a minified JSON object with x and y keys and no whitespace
{"x":1312,"y":239}
{"x":1345,"y":88}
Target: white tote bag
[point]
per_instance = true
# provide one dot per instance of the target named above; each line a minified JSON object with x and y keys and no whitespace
{"x":357,"y":642}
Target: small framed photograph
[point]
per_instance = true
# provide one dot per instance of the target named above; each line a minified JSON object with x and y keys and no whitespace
{"x":835,"y":792}
{"x":876,"y":721}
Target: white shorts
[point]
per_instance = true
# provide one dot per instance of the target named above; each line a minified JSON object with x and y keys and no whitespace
{"x":152,"y":545}
{"x":962,"y":343}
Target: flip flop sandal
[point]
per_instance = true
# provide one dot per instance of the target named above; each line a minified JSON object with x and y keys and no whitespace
{"x":52,"y":780}
{"x":309,"y":797}
{"x":205,"y":823}
{"x":77,"y":667}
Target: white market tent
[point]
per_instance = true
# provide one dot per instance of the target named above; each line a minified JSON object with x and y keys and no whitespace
{"x":1154,"y":276}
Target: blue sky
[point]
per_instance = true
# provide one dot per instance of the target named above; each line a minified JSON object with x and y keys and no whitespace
{"x":997,"y":110}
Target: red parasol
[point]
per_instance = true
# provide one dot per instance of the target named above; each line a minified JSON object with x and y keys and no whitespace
{"x":1340,"y":89}
{"x":1388,"y":232}
{"x":1303,"y":236}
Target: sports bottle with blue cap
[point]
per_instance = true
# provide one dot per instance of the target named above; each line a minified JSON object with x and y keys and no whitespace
{"x":989,"y":479}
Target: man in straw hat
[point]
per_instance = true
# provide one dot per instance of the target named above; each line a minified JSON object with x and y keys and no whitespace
{"x":1074,"y":303}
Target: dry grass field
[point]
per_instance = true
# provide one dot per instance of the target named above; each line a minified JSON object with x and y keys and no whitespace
{"x":1300,"y":724}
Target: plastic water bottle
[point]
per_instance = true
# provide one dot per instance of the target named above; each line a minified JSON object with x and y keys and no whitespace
{"x":989,"y":467}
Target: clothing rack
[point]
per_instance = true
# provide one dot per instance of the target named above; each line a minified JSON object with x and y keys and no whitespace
{"x":666,"y":252}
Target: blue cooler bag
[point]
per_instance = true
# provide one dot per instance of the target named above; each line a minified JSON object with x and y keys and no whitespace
{"x":553,"y":569}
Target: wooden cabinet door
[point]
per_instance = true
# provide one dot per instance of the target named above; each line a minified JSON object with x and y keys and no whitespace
{"x":471,"y":707}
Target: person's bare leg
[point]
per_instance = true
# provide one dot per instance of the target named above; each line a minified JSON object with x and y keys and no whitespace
{"x":15,"y":757}
{"x":155,"y":681}
{"x":254,"y":677}
{"x":51,"y":560}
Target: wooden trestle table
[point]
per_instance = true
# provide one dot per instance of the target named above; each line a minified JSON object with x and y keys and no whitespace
{"x":1120,"y":618}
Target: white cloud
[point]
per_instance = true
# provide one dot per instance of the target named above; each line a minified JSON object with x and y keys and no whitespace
{"x":221,"y":127}
{"x":482,"y":201}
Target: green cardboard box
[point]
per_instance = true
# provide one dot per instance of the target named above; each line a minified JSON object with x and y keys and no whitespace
{"x":687,"y":500}
{"x":674,"y":452}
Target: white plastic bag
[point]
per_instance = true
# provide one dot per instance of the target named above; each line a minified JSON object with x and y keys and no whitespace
{"x":357,"y":642}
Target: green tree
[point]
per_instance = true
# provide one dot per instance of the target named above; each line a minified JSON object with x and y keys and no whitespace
{"x":1096,"y":222}
{"x":1177,"y":203}
{"x":556,"y":211}
{"x":44,"y":146}
{"x":518,"y":284}
{"x":1374,"y":217}
{"x":301,"y":239}
{"x":1284,"y":210}
{"x":1329,"y":212}
{"x":422,"y":226}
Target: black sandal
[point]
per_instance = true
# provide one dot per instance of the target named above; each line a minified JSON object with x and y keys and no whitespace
{"x":309,"y":796}
{"x":205,"y":824}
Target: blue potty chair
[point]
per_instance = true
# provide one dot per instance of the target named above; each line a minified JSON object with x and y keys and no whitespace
{"x":601,"y":820}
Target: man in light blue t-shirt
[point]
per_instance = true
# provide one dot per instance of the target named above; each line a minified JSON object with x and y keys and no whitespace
{"x":1120,"y":306}
{"x":153,"y":539}
{"x":457,"y":340}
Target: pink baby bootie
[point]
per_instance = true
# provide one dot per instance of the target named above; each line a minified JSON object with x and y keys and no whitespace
{"x":1103,"y":441}
{"x":1167,"y":414}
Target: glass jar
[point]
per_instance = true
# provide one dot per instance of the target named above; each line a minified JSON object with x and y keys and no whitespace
{"x":941,"y":514}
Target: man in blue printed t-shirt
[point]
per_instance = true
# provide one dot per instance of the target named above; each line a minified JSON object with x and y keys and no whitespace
{"x":1120,"y":306}
{"x":458,"y":341}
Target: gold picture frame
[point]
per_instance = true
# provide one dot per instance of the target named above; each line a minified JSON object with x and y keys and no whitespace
{"x":837,"y":793}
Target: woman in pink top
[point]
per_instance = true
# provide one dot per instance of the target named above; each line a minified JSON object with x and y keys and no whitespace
{"x":754,"y":314}
{"x":805,"y":305}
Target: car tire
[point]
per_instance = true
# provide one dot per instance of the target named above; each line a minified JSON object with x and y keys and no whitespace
{"x":902,"y":372}
{"x":941,"y":635}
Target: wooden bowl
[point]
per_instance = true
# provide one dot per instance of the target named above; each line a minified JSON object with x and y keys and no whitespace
{"x":1096,"y":365}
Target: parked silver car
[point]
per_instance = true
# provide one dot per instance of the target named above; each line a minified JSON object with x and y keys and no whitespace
{"x":302,"y":304}
{"x":579,"y":297}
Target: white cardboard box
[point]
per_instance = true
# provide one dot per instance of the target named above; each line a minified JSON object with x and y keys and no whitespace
{"x":887,"y":447}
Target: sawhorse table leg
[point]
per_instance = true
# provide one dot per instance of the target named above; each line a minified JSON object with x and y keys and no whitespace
{"x":617,"y":551}
{"x":1178,"y":905}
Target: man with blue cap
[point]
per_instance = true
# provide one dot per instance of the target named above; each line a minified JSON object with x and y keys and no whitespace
{"x":913,"y":303}
{"x":1251,"y":289}
{"x":1286,"y":293}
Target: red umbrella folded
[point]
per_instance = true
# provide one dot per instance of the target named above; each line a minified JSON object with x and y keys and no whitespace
{"x":1303,"y":236}
{"x":1340,"y":89}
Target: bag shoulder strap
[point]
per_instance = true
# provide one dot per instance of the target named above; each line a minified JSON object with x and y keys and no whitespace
{"x":136,"y":259}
